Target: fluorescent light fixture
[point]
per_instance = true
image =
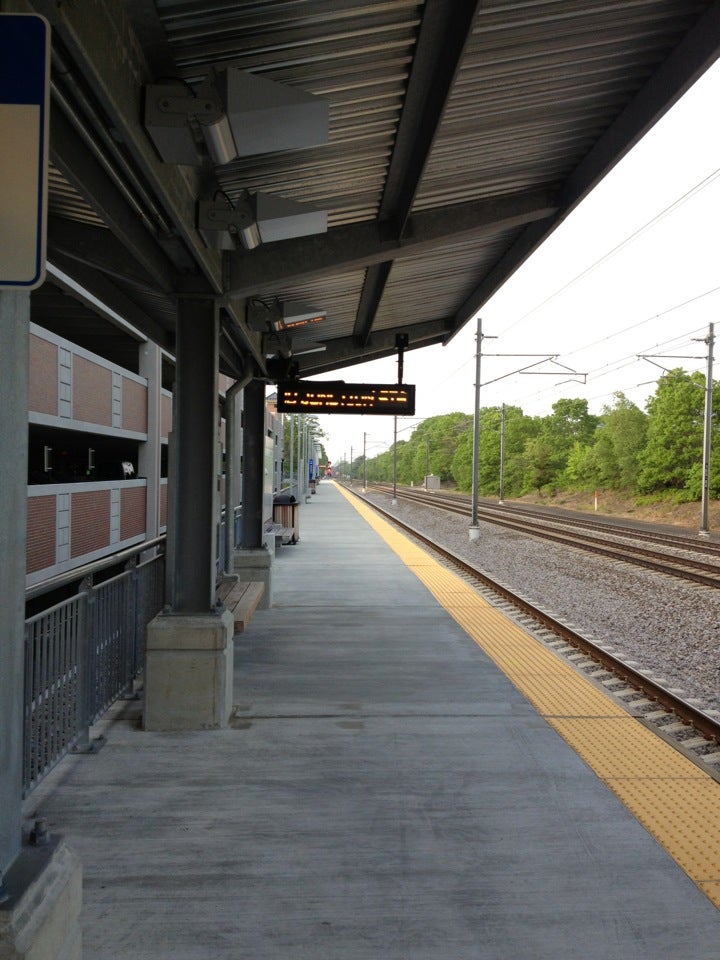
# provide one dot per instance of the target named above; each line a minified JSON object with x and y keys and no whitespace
{"x":277,"y":345}
{"x":239,"y":114}
{"x":296,"y":315}
{"x":219,"y":140}
{"x":278,"y":317}
{"x":266,"y":116}
{"x":309,"y":348}
{"x":256,"y":218}
{"x":279,"y":218}
{"x":262,"y":316}
{"x":281,"y":345}
{"x":216,"y":218}
{"x":169,"y":106}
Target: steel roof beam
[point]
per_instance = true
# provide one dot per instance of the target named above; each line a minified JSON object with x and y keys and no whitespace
{"x":698,"y":50}
{"x":346,"y":350}
{"x":444,"y":30}
{"x":375,"y":279}
{"x":357,"y":245}
{"x":81,"y":169}
{"x":102,"y":289}
{"x":95,"y":247}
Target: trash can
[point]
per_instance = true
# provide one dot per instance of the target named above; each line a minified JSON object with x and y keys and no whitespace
{"x":286,"y":512}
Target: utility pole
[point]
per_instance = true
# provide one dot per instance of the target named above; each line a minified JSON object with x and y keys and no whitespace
{"x":364,"y":463}
{"x":474,"y":531}
{"x":502,"y":455}
{"x":529,"y":369}
{"x":707,"y":426}
{"x":707,"y":435}
{"x":394,"y":496}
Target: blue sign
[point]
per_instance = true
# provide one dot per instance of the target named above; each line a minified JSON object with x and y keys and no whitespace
{"x":24,"y":101}
{"x":310,"y":466}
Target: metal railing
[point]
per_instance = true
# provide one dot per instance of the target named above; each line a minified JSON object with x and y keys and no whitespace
{"x":83,"y":653}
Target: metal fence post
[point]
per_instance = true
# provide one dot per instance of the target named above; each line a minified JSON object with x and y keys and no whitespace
{"x":86,"y":671}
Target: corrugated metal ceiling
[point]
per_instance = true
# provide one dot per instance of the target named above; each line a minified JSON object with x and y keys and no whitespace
{"x":434,"y":106}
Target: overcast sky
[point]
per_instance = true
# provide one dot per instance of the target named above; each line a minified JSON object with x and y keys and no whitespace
{"x":634,"y":270}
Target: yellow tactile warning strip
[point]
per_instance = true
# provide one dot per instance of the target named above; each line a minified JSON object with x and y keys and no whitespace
{"x":674,"y":800}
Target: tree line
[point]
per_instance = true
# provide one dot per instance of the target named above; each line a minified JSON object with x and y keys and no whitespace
{"x":657,"y":451}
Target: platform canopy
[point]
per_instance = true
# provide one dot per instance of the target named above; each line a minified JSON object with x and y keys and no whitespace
{"x":461,"y":133}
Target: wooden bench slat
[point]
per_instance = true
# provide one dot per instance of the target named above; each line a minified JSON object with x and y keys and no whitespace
{"x":242,"y":598}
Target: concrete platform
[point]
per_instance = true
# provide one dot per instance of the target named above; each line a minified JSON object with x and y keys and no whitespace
{"x":384,"y":793}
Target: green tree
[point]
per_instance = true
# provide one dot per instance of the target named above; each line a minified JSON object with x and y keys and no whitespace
{"x":674,"y":433}
{"x":619,"y":442}
{"x":546,"y":456}
{"x":539,"y":464}
{"x":582,"y":468}
{"x":518,"y":428}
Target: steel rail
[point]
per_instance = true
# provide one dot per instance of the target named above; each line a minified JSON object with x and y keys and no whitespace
{"x":685,"y":711}
{"x":684,"y":568}
{"x":613,"y":526}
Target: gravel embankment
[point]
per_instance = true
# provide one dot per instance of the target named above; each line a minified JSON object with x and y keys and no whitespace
{"x":668,"y":627}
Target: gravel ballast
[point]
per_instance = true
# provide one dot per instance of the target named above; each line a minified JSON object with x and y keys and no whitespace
{"x":668,"y":627}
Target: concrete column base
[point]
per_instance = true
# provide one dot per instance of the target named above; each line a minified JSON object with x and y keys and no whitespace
{"x":255,"y":563}
{"x":189,"y":671}
{"x":40,"y":919}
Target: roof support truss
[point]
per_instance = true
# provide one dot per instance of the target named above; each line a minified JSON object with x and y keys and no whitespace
{"x":358,"y":245}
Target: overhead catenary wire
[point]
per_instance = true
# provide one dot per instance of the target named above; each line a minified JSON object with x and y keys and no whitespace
{"x":636,"y":234}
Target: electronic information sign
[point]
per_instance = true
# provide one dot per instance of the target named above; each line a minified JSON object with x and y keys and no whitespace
{"x":335,"y":396}
{"x":24,"y":100}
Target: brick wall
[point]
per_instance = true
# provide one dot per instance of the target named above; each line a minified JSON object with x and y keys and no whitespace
{"x":132,"y":512}
{"x":90,"y":521}
{"x":165,"y":415}
{"x":92,"y":392}
{"x":134,"y":406}
{"x":43,"y":376}
{"x":41,"y":533}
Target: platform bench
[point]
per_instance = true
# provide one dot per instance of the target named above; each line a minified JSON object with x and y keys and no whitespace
{"x":241,"y":598}
{"x":281,"y":534}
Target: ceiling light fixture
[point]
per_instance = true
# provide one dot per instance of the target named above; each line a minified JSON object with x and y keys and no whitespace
{"x":277,"y":316}
{"x":256,"y":218}
{"x":240,"y":115}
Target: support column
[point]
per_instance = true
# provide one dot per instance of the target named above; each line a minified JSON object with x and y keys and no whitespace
{"x":254,"y":561}
{"x":189,"y":666}
{"x":233,"y":479}
{"x":149,"y":455}
{"x":253,"y":470}
{"x":14,"y":378}
{"x":195,"y":500}
{"x":40,"y":888}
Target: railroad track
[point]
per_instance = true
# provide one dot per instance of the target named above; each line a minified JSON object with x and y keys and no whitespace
{"x":691,"y":729}
{"x":675,"y":556}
